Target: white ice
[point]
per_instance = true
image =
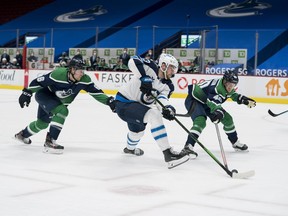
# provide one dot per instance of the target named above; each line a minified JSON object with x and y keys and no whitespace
{"x":94,"y":178}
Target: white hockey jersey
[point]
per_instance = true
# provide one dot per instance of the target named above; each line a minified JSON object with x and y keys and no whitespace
{"x":131,"y":91}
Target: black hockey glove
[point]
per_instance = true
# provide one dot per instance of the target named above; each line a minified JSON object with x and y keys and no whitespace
{"x":25,"y":98}
{"x":146,"y":85}
{"x":169,"y":112}
{"x":217,"y":115}
{"x":111,"y":103}
{"x":250,"y":103}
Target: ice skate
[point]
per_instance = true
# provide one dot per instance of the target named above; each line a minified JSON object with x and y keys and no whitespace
{"x":19,"y":137}
{"x":189,"y":151}
{"x":50,"y":146}
{"x":174,"y":158}
{"x":240,"y":147}
{"x":136,"y":151}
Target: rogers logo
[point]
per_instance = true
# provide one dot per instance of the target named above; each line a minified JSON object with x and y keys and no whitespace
{"x":182,"y":83}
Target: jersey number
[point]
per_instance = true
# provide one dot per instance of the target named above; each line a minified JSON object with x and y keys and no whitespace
{"x":40,"y":79}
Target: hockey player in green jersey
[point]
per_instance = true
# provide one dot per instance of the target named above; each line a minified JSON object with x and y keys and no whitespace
{"x":54,"y":92}
{"x":205,"y":99}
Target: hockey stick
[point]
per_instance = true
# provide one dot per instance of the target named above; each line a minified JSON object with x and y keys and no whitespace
{"x":221,"y":146}
{"x":274,"y":114}
{"x":183,"y":115}
{"x":234,"y":173}
{"x":188,"y":114}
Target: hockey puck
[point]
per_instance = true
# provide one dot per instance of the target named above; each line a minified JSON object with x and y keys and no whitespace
{"x":234,"y":171}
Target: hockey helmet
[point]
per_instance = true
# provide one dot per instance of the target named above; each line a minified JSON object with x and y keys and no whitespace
{"x":231,"y":76}
{"x":168,"y":59}
{"x":76,"y":63}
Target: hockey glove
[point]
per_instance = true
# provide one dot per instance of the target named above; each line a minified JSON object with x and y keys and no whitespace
{"x":217,"y":115}
{"x":169,"y":112}
{"x":245,"y":100}
{"x":146,"y":85}
{"x":25,"y":98}
{"x":111,"y":103}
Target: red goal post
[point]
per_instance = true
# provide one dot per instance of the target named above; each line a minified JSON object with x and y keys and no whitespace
{"x":25,"y":66}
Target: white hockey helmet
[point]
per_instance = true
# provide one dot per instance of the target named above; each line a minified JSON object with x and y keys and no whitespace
{"x":168,"y":60}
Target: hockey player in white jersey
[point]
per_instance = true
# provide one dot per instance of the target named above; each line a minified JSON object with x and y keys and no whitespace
{"x":137,"y":107}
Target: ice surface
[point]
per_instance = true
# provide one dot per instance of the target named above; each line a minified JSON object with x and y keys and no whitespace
{"x":94,"y":178}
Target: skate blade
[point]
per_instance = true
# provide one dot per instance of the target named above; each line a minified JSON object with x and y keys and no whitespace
{"x":176,"y":163}
{"x":20,"y":141}
{"x":192,"y":156}
{"x":131,"y":153}
{"x":52,"y":151}
{"x":241,"y":151}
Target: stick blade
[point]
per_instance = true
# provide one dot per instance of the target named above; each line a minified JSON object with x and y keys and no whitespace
{"x":243,"y":175}
{"x":271,"y":113}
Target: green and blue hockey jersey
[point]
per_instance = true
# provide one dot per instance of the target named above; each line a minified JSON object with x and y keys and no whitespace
{"x":66,"y":90}
{"x":212,"y":93}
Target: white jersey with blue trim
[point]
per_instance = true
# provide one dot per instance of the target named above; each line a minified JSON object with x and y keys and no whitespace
{"x":141,"y":67}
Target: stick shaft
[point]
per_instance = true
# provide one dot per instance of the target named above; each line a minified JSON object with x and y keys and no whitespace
{"x":221,"y":146}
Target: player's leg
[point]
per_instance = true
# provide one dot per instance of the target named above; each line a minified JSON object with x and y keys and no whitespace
{"x":33,"y":128}
{"x":137,"y":116}
{"x":230,"y":130}
{"x":159,"y":133}
{"x":56,"y":114}
{"x":46,"y":102}
{"x":133,"y":114}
